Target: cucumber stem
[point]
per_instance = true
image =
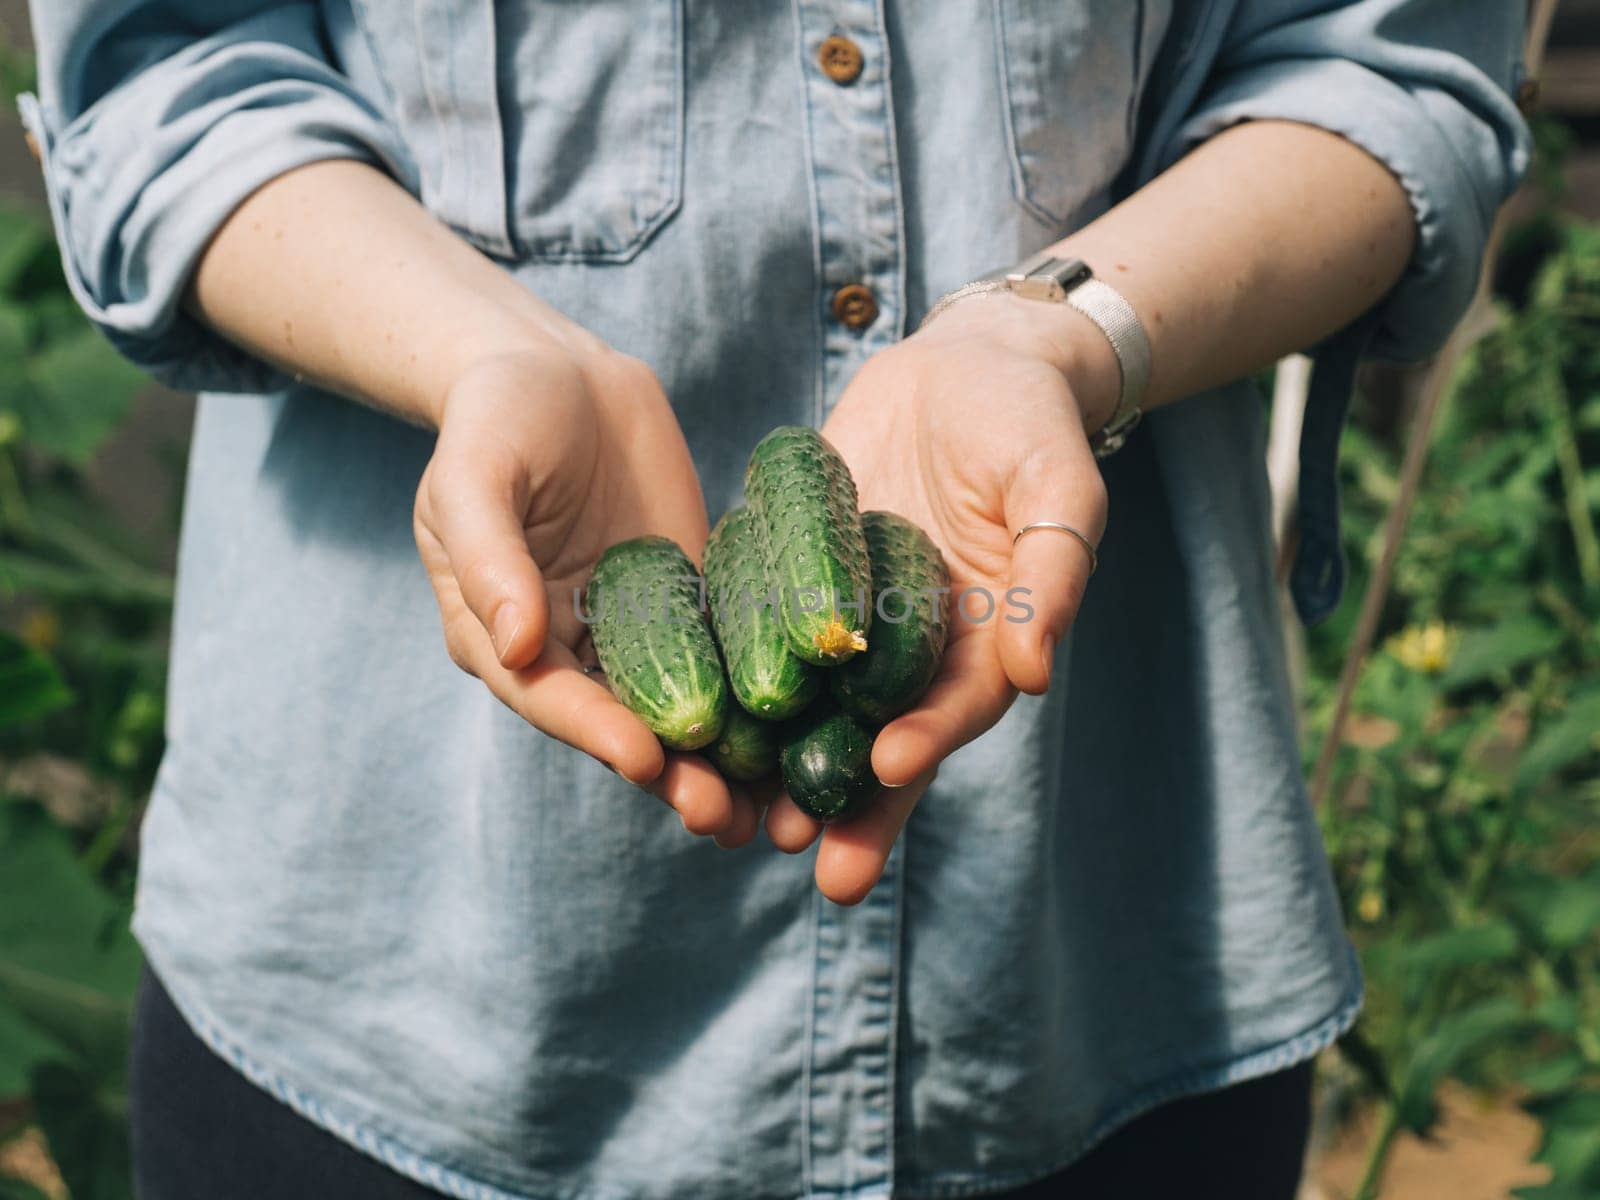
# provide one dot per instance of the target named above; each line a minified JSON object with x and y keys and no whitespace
{"x":838,"y":638}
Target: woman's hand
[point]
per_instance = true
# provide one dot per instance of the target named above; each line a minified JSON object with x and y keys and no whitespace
{"x":971,"y":429}
{"x":546,"y":458}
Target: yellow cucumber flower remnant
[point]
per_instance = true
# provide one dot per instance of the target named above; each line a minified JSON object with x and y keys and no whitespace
{"x":838,"y":638}
{"x":1426,"y":648}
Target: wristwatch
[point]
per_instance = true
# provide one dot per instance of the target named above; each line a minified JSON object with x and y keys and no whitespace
{"x":1046,"y":277}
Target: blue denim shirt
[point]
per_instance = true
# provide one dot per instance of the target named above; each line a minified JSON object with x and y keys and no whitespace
{"x":482,"y":958}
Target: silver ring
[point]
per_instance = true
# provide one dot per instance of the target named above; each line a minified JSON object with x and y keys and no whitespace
{"x":1094,"y":558}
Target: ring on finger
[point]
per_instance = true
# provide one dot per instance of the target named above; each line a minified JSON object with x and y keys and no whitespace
{"x":1059,"y":527}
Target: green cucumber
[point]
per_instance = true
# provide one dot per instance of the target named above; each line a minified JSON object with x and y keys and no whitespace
{"x":654,"y":643}
{"x":826,"y":758}
{"x":768,"y":679}
{"x":747,"y":749}
{"x":801,"y":492}
{"x":911,"y":620}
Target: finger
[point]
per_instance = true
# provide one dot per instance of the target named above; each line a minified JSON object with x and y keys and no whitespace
{"x":968,"y":695}
{"x":696,"y":793}
{"x":789,"y":829}
{"x":852,"y":855}
{"x":557,"y":698}
{"x":746,"y":818}
{"x":475,"y":510}
{"x":1049,"y":567}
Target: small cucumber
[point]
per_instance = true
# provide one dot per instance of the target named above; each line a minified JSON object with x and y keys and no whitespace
{"x":911,"y":620}
{"x":654,"y":642}
{"x":768,"y":679}
{"x":747,"y":749}
{"x":800,"y":491}
{"x":826,"y":757}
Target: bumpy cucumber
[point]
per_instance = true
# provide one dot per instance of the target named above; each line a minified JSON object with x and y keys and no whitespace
{"x":909,"y":626}
{"x":747,"y":749}
{"x":826,"y":757}
{"x":654,"y":642}
{"x":801,"y":492}
{"x":768,"y":679}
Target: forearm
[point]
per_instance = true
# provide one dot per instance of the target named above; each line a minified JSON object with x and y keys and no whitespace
{"x":335,"y":273}
{"x":1261,"y":242}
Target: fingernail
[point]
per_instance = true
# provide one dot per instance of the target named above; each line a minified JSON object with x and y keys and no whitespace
{"x":907,"y":783}
{"x":506,"y":623}
{"x":1049,"y":656}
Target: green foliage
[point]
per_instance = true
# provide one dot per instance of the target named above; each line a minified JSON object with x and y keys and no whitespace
{"x":82,"y":684}
{"x":83,"y":586}
{"x":29,"y":683}
{"x":1464,"y":816}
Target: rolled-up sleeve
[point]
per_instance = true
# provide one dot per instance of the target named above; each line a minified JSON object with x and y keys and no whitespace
{"x":155,"y":120}
{"x":1425,"y":87}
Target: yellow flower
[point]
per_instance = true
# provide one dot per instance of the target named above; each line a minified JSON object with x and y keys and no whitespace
{"x":1426,"y":649}
{"x":1370,"y":906}
{"x":41,"y":628}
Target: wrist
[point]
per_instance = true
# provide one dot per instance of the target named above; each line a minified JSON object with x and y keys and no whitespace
{"x":1054,"y":333}
{"x":1080,"y":350}
{"x":539,"y":342}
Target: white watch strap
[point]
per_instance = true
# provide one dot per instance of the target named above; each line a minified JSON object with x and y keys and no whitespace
{"x":1107,"y":308}
{"x":1045,"y":277}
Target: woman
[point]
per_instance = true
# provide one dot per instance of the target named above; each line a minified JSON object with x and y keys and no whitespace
{"x":418,"y":948}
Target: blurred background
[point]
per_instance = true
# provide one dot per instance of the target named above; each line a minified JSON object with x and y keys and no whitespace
{"x":1459,"y":788}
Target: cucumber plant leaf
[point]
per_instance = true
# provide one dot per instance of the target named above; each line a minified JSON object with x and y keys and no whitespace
{"x":30,"y":686}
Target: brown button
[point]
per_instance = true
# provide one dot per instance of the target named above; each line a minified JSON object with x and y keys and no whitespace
{"x":855,"y":306}
{"x":840,"y":59}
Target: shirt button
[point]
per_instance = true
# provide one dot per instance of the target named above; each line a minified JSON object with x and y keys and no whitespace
{"x":854,"y":306}
{"x":840,"y":59}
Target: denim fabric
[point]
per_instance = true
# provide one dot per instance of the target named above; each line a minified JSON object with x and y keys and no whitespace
{"x":481,"y":957}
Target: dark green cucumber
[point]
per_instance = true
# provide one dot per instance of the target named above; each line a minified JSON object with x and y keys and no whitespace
{"x":826,"y":757}
{"x":911,"y":620}
{"x":801,"y":492}
{"x":654,"y":642}
{"x":768,"y":678}
{"x":747,"y":749}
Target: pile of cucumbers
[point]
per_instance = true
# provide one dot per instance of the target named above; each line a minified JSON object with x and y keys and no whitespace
{"x":816,"y":624}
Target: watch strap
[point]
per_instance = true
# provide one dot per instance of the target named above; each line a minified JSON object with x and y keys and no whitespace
{"x":1045,"y":276}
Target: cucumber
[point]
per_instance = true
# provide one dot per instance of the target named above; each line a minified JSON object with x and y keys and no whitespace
{"x":826,"y":758}
{"x":768,"y":679}
{"x":800,"y":491}
{"x":654,"y":642}
{"x":909,"y":627}
{"x":747,"y":749}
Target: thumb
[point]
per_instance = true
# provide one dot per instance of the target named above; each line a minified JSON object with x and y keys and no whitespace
{"x":1059,"y":482}
{"x":475,"y":512}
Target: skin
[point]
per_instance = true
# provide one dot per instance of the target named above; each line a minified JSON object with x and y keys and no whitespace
{"x":972,"y":427}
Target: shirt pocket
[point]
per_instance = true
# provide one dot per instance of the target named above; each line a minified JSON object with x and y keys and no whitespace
{"x":1071,"y":73}
{"x":542,"y":129}
{"x":437,"y":61}
{"x":593,"y":118}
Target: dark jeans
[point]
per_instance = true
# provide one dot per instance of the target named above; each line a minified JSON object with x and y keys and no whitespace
{"x":201,"y":1131}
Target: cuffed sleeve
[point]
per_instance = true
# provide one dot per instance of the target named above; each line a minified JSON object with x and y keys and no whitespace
{"x":155,"y":121}
{"x":1425,"y":87}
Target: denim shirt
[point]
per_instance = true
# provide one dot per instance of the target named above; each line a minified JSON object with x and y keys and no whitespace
{"x":478,"y":955}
